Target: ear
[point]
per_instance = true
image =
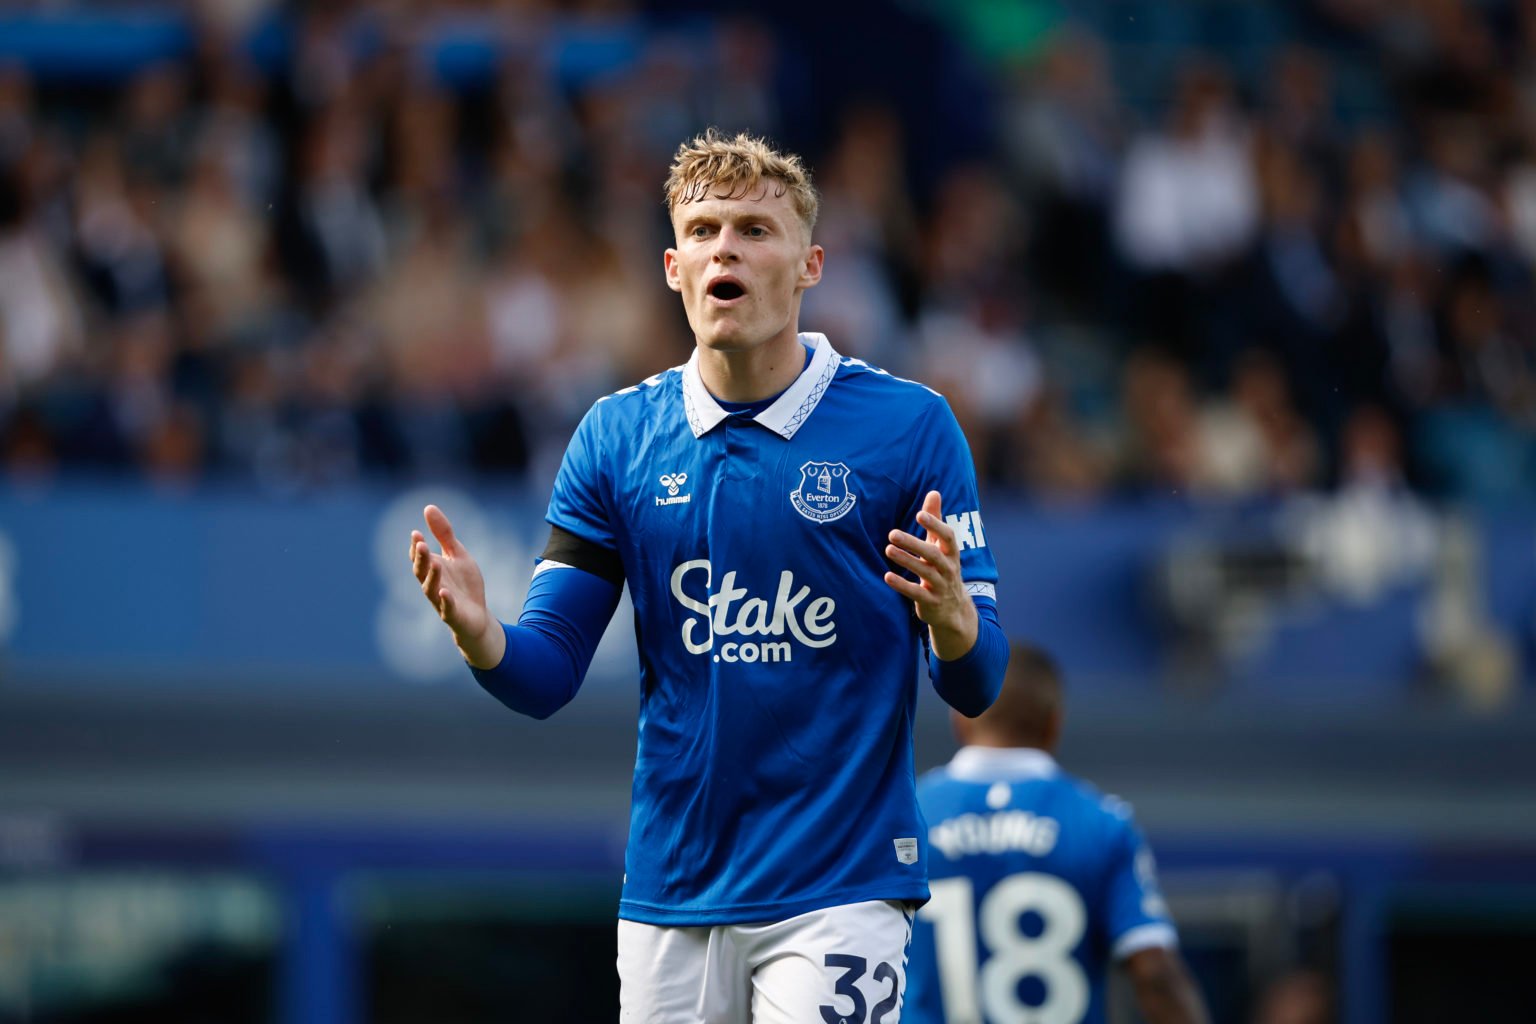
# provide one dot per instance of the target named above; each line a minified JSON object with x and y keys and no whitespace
{"x":673,"y":270}
{"x":810,"y":273}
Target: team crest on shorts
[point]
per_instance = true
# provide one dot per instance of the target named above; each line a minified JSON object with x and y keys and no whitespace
{"x":823,"y":493}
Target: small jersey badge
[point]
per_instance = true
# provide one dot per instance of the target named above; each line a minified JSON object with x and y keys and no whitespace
{"x":823,"y":493}
{"x":673,"y":482}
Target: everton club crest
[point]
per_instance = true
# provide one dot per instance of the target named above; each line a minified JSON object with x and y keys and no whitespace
{"x":823,"y":493}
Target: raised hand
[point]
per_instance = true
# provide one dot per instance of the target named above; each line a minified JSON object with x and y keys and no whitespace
{"x":452,"y":582}
{"x":939,"y":592}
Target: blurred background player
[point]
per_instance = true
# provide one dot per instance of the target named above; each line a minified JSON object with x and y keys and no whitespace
{"x":1039,"y":882}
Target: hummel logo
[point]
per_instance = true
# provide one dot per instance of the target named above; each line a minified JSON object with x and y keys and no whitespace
{"x":674,"y":482}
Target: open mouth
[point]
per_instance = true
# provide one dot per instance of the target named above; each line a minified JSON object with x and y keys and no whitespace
{"x":725,"y":291}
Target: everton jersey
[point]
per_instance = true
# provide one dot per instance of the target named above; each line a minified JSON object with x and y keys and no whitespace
{"x":1038,"y":882}
{"x":778,"y":671}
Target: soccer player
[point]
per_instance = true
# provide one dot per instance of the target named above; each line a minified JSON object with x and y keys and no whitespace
{"x":1038,"y":880}
{"x":795,"y":527}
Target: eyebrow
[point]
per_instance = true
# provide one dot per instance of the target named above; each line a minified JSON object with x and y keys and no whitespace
{"x":750,"y":216}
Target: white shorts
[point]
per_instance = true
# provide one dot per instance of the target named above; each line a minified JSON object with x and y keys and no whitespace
{"x":841,"y":965}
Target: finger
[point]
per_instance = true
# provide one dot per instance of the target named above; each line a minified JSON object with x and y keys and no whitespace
{"x":927,"y":570}
{"x":905,"y":587}
{"x":416,"y":538}
{"x":431,"y":583}
{"x":422,"y":561}
{"x":933,"y":504}
{"x":921,"y":548}
{"x":939,"y":532}
{"x":442,"y":529}
{"x":936,"y":527}
{"x":445,"y":605}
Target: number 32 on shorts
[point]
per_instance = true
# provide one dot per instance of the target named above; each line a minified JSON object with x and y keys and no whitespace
{"x":853,"y":968}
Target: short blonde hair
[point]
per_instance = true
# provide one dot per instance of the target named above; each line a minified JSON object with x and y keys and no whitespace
{"x":712,"y":165}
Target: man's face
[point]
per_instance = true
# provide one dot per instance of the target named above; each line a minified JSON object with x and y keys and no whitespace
{"x":740,"y":266}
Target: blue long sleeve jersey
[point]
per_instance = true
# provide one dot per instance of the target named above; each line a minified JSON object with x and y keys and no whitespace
{"x":778,"y":679}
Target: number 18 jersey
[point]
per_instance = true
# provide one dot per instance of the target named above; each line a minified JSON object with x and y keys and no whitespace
{"x":1038,"y":883}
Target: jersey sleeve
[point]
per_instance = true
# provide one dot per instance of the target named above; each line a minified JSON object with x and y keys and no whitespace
{"x":549,"y":650}
{"x":581,"y":501}
{"x":942,"y":462}
{"x":1136,"y":916}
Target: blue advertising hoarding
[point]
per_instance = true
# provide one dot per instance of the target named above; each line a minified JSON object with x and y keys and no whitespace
{"x":134,"y":585}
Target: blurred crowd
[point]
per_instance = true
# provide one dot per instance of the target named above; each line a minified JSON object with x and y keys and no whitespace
{"x":334,"y":260}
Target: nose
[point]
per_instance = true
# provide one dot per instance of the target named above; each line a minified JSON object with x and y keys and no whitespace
{"x":727,"y":246}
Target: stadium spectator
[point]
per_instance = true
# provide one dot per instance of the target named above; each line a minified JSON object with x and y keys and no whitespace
{"x":1187,"y":210}
{"x":1254,"y":441}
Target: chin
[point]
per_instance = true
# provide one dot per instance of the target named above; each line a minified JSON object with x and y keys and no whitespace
{"x":727,"y":339}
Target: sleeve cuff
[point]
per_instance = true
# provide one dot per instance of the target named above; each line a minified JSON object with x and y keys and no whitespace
{"x":1146,"y":936}
{"x":971,"y":682}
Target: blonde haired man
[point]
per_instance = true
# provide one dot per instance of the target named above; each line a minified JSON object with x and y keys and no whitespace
{"x":778,"y":512}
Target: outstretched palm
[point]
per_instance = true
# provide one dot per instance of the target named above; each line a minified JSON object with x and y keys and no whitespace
{"x":451,"y":580}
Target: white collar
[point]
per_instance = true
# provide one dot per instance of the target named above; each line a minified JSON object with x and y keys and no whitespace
{"x":989,"y":764}
{"x":788,"y":412}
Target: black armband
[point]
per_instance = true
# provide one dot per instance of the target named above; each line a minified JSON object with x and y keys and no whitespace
{"x":579,"y":553}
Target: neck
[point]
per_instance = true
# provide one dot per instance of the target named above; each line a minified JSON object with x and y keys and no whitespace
{"x":751,"y":375}
{"x":1036,"y":747}
{"x":1011,"y":743}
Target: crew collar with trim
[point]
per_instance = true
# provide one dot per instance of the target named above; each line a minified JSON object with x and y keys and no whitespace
{"x":787,"y":413}
{"x":990,"y":764}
